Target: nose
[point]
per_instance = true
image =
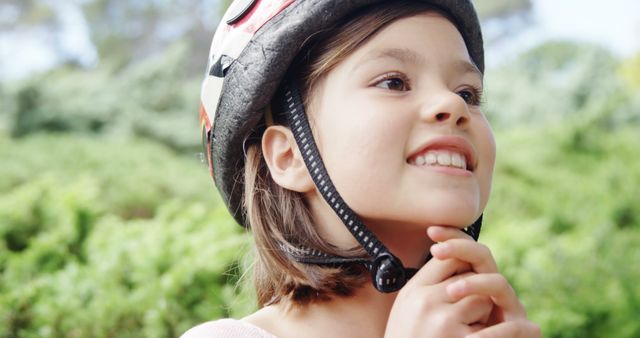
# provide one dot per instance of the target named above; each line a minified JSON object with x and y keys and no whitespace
{"x":446,"y":108}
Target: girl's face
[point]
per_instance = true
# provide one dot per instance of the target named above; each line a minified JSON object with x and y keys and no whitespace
{"x":398,"y":121}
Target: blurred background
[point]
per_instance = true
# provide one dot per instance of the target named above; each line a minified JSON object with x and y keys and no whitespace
{"x":110,"y":225}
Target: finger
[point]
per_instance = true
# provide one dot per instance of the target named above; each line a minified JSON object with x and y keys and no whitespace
{"x":438,"y":270}
{"x":439,"y":233}
{"x":513,"y":329}
{"x":430,"y":295}
{"x":476,"y":327}
{"x":477,"y":254}
{"x":493,"y":285}
{"x":474,"y":309}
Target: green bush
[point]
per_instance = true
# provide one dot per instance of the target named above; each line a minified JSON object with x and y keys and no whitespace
{"x":154,"y":98}
{"x":564,"y":225}
{"x":559,"y":82}
{"x":77,"y":261}
{"x":563,"y":220}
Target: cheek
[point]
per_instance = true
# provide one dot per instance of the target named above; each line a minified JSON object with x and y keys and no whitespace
{"x":359,"y":133}
{"x":360,"y":143}
{"x":487,"y":148}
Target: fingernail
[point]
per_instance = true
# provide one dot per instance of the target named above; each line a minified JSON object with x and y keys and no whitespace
{"x":457,"y":288}
{"x":440,"y":249}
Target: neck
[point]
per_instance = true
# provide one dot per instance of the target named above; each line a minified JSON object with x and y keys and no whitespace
{"x":363,"y":314}
{"x":410,"y":244}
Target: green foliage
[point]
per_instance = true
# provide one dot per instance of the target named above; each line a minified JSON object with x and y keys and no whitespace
{"x":563,"y":221}
{"x":559,"y":82}
{"x":564,"y":224}
{"x":100,"y":242}
{"x":630,"y":71}
{"x":113,"y":101}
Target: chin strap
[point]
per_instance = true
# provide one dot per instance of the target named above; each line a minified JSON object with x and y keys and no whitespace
{"x":474,"y":229}
{"x":387,"y":272}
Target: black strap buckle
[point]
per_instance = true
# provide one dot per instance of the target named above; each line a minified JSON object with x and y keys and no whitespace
{"x":388,"y":273}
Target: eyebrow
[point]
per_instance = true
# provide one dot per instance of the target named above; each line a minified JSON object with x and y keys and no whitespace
{"x":404,"y":55}
{"x":408,"y":56}
{"x":467,"y":67}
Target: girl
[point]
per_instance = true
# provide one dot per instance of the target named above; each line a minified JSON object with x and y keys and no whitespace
{"x":348,"y":136}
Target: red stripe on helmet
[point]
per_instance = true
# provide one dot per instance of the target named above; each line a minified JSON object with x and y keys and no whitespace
{"x":206,"y":127}
{"x":261,"y":12}
{"x":204,"y":118}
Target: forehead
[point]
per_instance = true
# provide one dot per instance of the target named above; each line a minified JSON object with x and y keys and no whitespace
{"x":419,"y":39}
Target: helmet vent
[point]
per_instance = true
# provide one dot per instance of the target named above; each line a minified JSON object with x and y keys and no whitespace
{"x":220,"y":67}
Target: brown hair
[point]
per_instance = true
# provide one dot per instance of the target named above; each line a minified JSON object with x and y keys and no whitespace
{"x":279,"y":218}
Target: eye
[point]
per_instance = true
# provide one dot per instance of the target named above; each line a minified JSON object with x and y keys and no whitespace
{"x":472,"y":96}
{"x":395,"y":82}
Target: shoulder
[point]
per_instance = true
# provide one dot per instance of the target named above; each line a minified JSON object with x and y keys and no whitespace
{"x":230,"y":328}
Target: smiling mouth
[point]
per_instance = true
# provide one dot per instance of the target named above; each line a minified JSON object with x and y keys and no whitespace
{"x":445,"y":152}
{"x":451,"y":158}
{"x":441,"y":158}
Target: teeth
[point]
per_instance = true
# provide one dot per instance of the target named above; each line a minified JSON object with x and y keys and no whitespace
{"x":458,"y":161}
{"x":431,"y":158}
{"x":443,"y":158}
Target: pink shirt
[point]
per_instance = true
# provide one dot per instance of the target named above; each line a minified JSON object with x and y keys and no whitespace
{"x":228,"y":328}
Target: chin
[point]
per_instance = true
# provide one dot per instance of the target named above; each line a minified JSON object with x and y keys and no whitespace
{"x":449,"y":209}
{"x":458,"y":212}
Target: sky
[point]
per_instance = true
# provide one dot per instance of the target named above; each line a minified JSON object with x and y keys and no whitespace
{"x":615,"y":26}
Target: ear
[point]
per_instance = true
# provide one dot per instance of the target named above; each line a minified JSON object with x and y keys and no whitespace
{"x":284,"y":160}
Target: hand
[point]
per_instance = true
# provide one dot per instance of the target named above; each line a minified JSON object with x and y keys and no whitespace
{"x":424,"y":308}
{"x":508,"y":318}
